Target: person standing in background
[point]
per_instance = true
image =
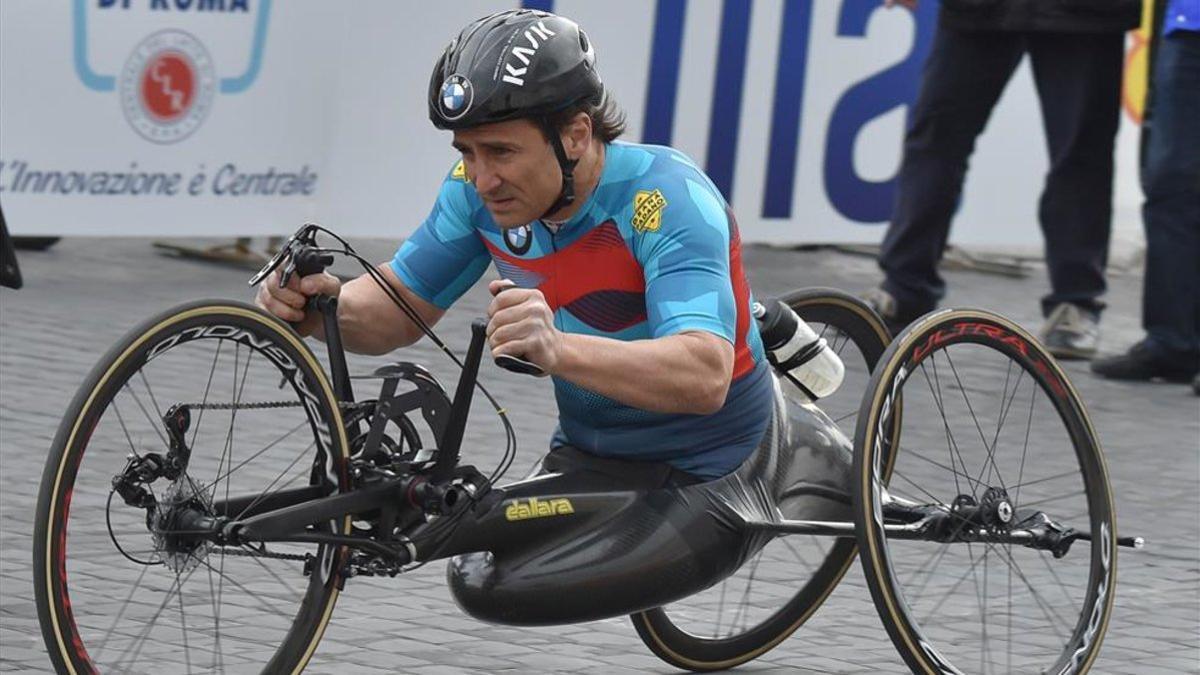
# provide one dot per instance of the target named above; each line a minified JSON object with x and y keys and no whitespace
{"x":1171,"y":212}
{"x":1076,"y":48}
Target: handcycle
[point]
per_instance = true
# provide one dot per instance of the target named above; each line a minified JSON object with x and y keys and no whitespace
{"x":161,"y":549}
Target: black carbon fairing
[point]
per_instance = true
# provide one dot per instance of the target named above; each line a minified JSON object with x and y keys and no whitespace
{"x":593,"y":538}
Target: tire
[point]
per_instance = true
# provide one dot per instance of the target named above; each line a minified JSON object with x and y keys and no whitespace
{"x":111,"y":582}
{"x":989,"y":418}
{"x":671,"y":632}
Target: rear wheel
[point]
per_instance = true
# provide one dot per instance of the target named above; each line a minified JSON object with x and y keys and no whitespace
{"x":779,"y":588}
{"x":994,"y":442}
{"x":121,"y":586}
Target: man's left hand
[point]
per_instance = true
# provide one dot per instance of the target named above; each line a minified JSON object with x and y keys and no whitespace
{"x":521,"y":324}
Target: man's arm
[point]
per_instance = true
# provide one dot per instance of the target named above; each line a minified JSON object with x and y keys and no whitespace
{"x":684,"y":373}
{"x":369,"y":321}
{"x":688,"y":372}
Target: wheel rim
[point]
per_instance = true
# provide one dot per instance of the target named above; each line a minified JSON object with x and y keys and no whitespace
{"x":782,"y":584}
{"x":989,"y":416}
{"x":133,"y":596}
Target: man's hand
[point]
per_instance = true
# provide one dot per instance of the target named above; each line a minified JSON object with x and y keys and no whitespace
{"x":911,"y":4}
{"x":288,"y":303}
{"x":521,"y":324}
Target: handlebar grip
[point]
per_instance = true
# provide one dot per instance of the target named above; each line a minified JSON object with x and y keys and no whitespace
{"x":518,"y":364}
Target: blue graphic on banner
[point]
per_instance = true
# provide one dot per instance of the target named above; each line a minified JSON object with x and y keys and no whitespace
{"x":727,"y":95}
{"x":662,"y":88}
{"x":855,"y":198}
{"x":544,"y":5}
{"x":790,"y":70}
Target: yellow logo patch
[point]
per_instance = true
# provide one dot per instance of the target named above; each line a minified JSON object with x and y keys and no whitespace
{"x":460,"y":172}
{"x":648,"y":206}
{"x":538,"y":508}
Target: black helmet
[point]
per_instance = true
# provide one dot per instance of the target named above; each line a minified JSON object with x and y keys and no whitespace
{"x":521,"y":63}
{"x":517,"y":63}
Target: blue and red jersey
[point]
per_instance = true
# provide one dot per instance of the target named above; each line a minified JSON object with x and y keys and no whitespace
{"x":653,"y":252}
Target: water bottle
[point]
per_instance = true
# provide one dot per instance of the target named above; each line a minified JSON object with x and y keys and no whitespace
{"x":797,"y":352}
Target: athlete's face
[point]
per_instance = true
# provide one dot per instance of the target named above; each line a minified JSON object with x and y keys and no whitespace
{"x":513,"y":168}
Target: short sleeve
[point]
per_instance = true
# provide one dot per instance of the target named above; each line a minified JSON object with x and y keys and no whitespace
{"x":681,"y":234}
{"x":444,"y":256}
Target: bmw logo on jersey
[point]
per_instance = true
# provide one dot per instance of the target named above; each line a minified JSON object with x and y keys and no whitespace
{"x":457,"y":93}
{"x":519,"y":239}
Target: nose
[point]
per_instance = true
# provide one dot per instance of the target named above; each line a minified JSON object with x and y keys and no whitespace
{"x":486,"y":179}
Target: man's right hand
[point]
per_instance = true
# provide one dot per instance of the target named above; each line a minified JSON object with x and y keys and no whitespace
{"x":289,"y":302}
{"x":911,"y":4}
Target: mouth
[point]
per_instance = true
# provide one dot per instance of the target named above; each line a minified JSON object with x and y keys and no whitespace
{"x":501,"y":204}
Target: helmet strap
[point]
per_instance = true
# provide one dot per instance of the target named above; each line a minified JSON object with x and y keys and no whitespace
{"x":566,"y":195}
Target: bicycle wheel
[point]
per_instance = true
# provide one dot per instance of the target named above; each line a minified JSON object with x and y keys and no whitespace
{"x":120,"y":588}
{"x":994,"y":442}
{"x":780,"y":587}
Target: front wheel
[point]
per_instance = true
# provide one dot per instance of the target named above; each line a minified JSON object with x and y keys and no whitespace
{"x":783,"y":584}
{"x":239,"y":410}
{"x":994,"y":447}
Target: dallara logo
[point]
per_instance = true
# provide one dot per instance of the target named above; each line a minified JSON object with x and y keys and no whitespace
{"x":648,"y":206}
{"x":538,"y":508}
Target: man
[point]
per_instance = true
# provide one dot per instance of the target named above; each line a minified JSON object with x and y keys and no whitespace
{"x":621,"y":263}
{"x":1171,"y":214}
{"x":1076,"y":49}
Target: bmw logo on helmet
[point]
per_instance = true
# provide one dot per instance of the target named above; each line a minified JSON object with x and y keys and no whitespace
{"x":456,"y":97}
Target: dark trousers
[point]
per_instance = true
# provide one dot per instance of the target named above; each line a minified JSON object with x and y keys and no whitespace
{"x":1171,"y":213}
{"x":1078,"y":78}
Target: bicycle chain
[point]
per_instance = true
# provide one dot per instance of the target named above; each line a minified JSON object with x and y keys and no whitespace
{"x":263,"y":554}
{"x":262,"y":405}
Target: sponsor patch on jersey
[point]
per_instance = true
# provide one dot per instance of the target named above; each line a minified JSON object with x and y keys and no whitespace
{"x":460,"y":172}
{"x":648,"y":206}
{"x":524,"y":509}
{"x":519,"y":239}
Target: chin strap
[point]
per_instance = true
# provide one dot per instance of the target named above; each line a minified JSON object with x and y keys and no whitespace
{"x":566,"y":195}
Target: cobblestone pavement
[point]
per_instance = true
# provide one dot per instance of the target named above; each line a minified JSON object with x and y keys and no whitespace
{"x":84,"y":293}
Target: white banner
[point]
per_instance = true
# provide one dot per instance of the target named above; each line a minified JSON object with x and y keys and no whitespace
{"x":248,"y":117}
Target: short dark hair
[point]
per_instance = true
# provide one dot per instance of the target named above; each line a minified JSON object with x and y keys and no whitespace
{"x":608,"y":120}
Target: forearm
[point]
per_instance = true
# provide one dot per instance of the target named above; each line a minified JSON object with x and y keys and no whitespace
{"x":684,"y":373}
{"x":370,"y":323}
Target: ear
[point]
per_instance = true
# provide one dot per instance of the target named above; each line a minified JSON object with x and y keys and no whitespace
{"x":577,"y":135}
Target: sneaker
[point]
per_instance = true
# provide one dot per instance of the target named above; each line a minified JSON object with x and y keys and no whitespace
{"x":1070,"y":332}
{"x":1142,"y":362}
{"x":889,"y":310}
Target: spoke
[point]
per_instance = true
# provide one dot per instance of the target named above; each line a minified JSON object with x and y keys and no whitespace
{"x":953,"y":588}
{"x":255,"y":456}
{"x":957,"y":474}
{"x":264,"y":494}
{"x":799,"y":558}
{"x":1005,"y":408}
{"x":990,"y":461}
{"x":207,"y":388}
{"x":261,"y":600}
{"x":936,"y":559}
{"x":744,"y":607}
{"x":951,"y":444}
{"x":273,"y":573}
{"x":850,"y":414}
{"x":124,"y":605}
{"x":1024,"y":452}
{"x":1063,"y":587}
{"x":125,"y":429}
{"x":1073,"y":472}
{"x":217,"y":659}
{"x":1046,"y":607}
{"x":140,"y":639}
{"x":154,"y":424}
{"x":158,"y":411}
{"x":1047,"y":500}
{"x":187,"y":652}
